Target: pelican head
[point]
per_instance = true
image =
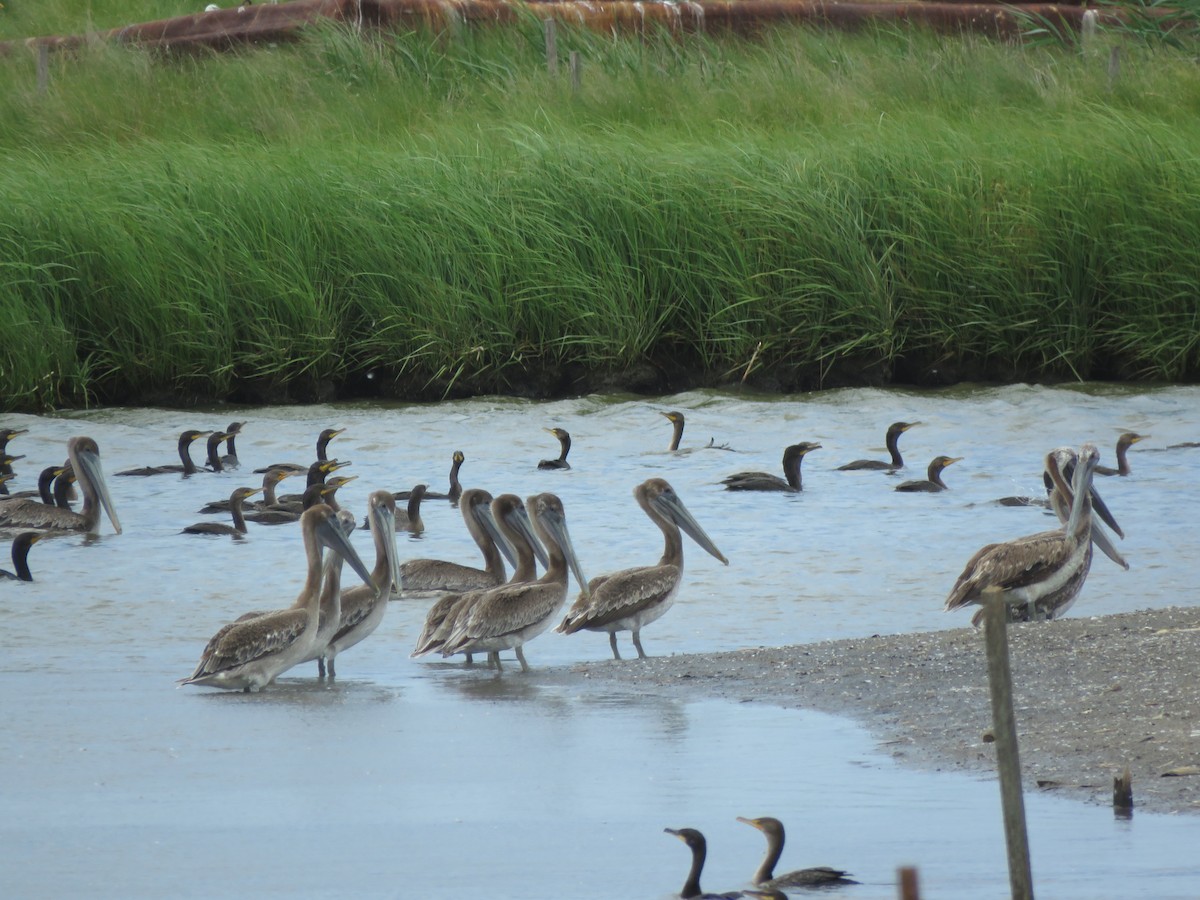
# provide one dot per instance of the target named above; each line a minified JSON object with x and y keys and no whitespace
{"x":84,"y":454}
{"x":326,"y":527}
{"x":661,"y":497}
{"x":381,"y":514}
{"x":550,"y":524}
{"x":478,"y":503}
{"x":510,"y":510}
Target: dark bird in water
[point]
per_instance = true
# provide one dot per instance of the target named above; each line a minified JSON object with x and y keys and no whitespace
{"x":699,"y":847}
{"x":1124,"y":442}
{"x":564,"y":440}
{"x":7,"y":434}
{"x":933,"y":476}
{"x":6,"y":461}
{"x":818,"y":876}
{"x":45,"y":488}
{"x":271,"y":479}
{"x":793,"y":456}
{"x":249,"y":654}
{"x":230,"y":459}
{"x":317,"y":473}
{"x":677,"y":422}
{"x":313,"y":495}
{"x":455,"y":490}
{"x":84,"y":455}
{"x":212,"y":455}
{"x":20,"y":556}
{"x":323,"y":440}
{"x":630,"y":599}
{"x":362,"y":607}
{"x":238,"y":528}
{"x":1060,"y":468}
{"x":187,"y":467}
{"x":409,"y":519}
{"x":1032,"y":572}
{"x":422,"y":575}
{"x":893,"y":445}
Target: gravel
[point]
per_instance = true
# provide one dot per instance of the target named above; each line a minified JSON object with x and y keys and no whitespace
{"x":1092,"y":696}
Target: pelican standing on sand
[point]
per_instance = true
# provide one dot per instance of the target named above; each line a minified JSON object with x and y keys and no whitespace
{"x":249,"y":654}
{"x":818,"y":876}
{"x":1060,"y":465}
{"x":516,"y":532}
{"x":892,"y":440}
{"x":362,"y":607}
{"x":793,"y":456}
{"x":633,"y":598}
{"x":420,"y":575}
{"x":84,"y":454}
{"x":1029,"y":571}
{"x":509,"y":616}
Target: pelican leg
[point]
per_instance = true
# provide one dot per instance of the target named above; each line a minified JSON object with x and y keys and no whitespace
{"x":612,"y":642}
{"x":329,"y":666}
{"x":320,"y":667}
{"x":471,"y":661}
{"x":521,"y":658}
{"x":494,"y":661}
{"x":637,"y":642}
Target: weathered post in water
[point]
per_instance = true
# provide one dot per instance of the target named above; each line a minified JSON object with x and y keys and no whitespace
{"x":576,"y":65}
{"x":1123,"y":795}
{"x":907,"y":878}
{"x":1008,"y":760}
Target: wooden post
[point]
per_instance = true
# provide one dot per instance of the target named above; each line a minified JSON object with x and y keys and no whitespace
{"x":551,"y":29}
{"x":43,"y":69}
{"x":907,"y":878}
{"x":1123,"y":795}
{"x":576,"y":72}
{"x":1114,"y":67}
{"x":1087,"y":30}
{"x":1008,"y":761}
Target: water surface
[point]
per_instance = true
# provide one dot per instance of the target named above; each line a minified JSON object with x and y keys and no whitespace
{"x":423,"y":778}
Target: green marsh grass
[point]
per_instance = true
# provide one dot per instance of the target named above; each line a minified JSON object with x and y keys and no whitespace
{"x":435,"y":212}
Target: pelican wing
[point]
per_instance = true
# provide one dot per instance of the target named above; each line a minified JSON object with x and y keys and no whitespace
{"x":619,"y":595}
{"x":504,"y":610}
{"x":439,"y":575}
{"x":1009,"y":566}
{"x":357,"y":603}
{"x":245,"y":641}
{"x":26,"y":512}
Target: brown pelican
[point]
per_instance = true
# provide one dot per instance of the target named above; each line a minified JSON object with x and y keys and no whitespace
{"x":422,"y":575}
{"x":1060,"y":465}
{"x":818,"y":876}
{"x":285,"y":515}
{"x":564,"y":441}
{"x":238,"y":528}
{"x":933,"y":476}
{"x":329,"y":619}
{"x":249,"y":654}
{"x":323,"y":440}
{"x":793,"y":456}
{"x":187,"y":467}
{"x":362,"y":608}
{"x":84,"y":454}
{"x":508,"y":514}
{"x":455,"y":490}
{"x":699,"y":847}
{"x":1032,"y":571}
{"x":509,"y":616}
{"x":270,"y":481}
{"x":893,"y":444}
{"x":1124,"y":442}
{"x":20,"y":556}
{"x":633,"y":598}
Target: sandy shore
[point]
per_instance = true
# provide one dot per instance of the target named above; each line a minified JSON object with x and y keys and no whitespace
{"x":1092,"y":697}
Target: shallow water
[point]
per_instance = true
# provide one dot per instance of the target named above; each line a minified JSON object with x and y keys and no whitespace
{"x":418,"y":778}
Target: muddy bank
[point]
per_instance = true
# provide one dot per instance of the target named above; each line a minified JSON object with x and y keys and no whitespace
{"x":1092,"y":696}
